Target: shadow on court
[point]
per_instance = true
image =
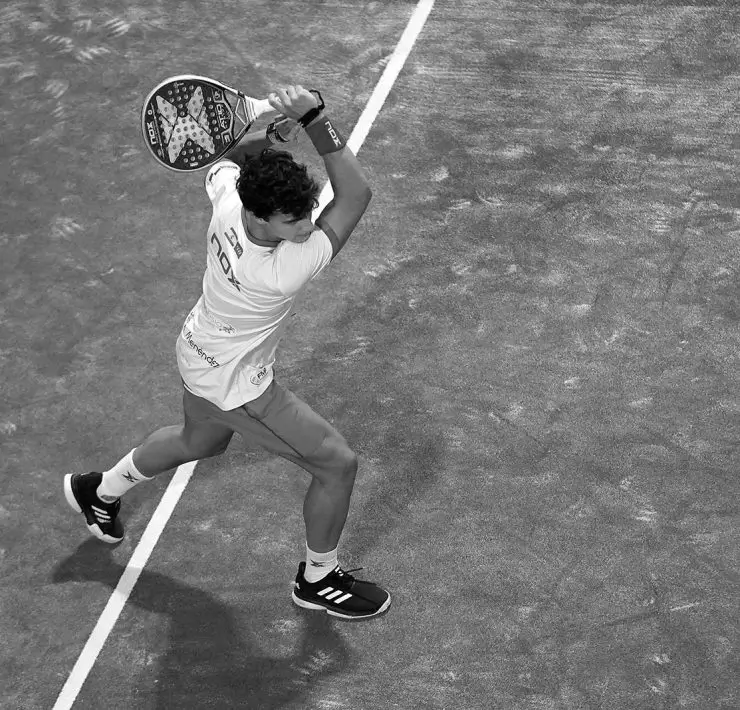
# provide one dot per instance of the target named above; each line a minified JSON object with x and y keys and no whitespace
{"x":207,"y":659}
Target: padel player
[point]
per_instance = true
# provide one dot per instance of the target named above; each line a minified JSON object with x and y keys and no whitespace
{"x":262,"y":250}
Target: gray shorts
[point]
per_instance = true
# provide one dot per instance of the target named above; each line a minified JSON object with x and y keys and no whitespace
{"x":277,"y":420}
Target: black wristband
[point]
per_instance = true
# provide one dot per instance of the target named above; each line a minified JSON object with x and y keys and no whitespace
{"x":325,"y":138}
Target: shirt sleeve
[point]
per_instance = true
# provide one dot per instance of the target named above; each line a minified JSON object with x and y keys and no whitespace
{"x":294,"y":265}
{"x":221,"y":180}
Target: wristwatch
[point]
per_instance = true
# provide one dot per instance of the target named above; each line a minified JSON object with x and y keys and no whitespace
{"x":308,"y":117}
{"x":273,"y":134}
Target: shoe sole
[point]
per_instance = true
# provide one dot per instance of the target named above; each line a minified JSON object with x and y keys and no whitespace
{"x":347,"y":617}
{"x":72,"y":501}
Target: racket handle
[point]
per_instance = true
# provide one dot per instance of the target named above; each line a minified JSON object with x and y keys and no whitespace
{"x":257,"y":107}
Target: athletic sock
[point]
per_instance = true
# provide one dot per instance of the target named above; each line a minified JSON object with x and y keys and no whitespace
{"x":121,"y":478}
{"x":319,"y":564}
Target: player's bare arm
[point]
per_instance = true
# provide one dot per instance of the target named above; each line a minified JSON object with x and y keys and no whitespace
{"x":352,"y":195}
{"x":351,"y":188}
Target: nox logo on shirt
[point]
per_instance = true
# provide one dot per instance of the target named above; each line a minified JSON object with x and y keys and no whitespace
{"x":223,"y":259}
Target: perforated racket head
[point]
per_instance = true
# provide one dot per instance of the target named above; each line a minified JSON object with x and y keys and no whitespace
{"x":189,"y":122}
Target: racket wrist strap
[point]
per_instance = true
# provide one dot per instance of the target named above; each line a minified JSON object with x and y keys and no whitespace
{"x":314,"y":112}
{"x":324,"y":136}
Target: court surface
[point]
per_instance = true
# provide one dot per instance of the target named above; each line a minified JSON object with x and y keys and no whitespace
{"x":531,"y":341}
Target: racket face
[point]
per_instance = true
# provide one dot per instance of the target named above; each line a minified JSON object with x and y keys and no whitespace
{"x":190,"y":121}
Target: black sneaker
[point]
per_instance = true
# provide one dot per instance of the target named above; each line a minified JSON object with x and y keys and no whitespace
{"x":340,"y":594}
{"x":102,"y":518}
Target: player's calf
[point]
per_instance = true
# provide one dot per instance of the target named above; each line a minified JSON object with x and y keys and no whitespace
{"x":326,"y":505}
{"x":172,"y":446}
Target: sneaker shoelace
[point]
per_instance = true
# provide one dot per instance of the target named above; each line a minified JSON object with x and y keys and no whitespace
{"x":347,"y":574}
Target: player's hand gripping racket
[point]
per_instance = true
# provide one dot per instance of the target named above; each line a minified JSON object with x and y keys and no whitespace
{"x":190,"y":121}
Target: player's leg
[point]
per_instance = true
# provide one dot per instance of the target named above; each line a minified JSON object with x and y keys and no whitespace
{"x":286,"y":425}
{"x":321,"y":584}
{"x":173,"y":446}
{"x":199,"y":437}
{"x":333,"y":469}
{"x":296,"y":432}
{"x":97,"y":495}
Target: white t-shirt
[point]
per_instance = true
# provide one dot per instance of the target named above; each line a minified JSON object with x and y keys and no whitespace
{"x":226,"y":349}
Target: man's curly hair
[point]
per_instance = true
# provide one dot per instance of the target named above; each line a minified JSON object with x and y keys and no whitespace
{"x":273,"y":182}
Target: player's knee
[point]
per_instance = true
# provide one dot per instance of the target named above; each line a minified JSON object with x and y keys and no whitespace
{"x":343,"y":463}
{"x":334,"y":463}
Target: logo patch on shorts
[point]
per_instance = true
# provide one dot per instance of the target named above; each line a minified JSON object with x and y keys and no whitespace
{"x":259,"y":376}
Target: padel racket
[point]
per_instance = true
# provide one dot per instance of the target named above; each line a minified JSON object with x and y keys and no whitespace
{"x":190,"y":121}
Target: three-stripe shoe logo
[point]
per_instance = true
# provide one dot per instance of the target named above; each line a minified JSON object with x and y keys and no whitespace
{"x":331,"y":595}
{"x":103,"y":516}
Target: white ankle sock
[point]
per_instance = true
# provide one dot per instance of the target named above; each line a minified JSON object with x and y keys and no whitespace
{"x":319,"y":564}
{"x":121,"y":478}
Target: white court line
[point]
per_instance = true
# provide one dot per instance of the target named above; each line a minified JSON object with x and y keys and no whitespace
{"x":175,"y":489}
{"x":383,"y":87}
